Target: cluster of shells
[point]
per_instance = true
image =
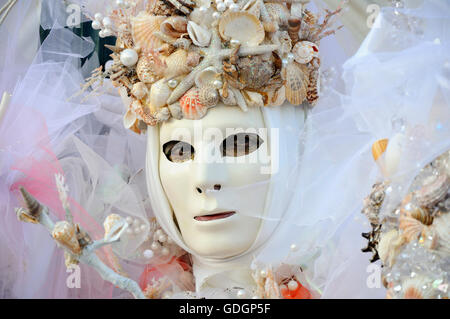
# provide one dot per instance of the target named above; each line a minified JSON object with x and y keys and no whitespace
{"x":178,"y":58}
{"x":413,"y":241}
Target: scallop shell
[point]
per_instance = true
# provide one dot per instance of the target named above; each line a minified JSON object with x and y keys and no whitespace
{"x":253,"y":99}
{"x":190,"y":105}
{"x":139,"y":90}
{"x":441,"y":227}
{"x":176,"y":64}
{"x":114,"y":225}
{"x":159,"y":93}
{"x":199,"y":35}
{"x":206,"y":77}
{"x":142,"y":27}
{"x":242,"y":26}
{"x":65,"y":234}
{"x":230,"y":99}
{"x":414,"y":288}
{"x":278,"y":13}
{"x":296,"y":77}
{"x":208,"y":96}
{"x":174,"y":26}
{"x":411,"y":227}
{"x":434,"y":191}
{"x":305,"y":51}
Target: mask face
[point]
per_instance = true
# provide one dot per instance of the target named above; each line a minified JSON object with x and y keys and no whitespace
{"x":214,"y":173}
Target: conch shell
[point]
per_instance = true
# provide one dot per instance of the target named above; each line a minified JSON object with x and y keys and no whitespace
{"x":242,"y":26}
{"x":435,"y":190}
{"x":65,"y":234}
{"x":174,"y":26}
{"x":199,"y":35}
{"x":143,"y":26}
{"x":296,"y":77}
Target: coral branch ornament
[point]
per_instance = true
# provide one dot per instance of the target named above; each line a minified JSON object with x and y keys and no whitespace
{"x":77,"y":244}
{"x":178,"y":58}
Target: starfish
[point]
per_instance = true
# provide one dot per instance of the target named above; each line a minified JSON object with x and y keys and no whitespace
{"x":214,"y":54}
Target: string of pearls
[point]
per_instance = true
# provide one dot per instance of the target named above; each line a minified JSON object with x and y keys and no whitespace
{"x":161,"y":244}
{"x":104,"y":24}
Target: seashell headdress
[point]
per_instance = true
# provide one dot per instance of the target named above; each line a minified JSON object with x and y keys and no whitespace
{"x":178,"y":58}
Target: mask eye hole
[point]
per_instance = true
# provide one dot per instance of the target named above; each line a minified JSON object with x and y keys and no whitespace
{"x":240,"y":144}
{"x":178,"y":151}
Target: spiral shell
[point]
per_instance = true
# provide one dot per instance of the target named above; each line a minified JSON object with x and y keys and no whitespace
{"x":174,"y":26}
{"x":230,"y":99}
{"x":177,"y":64}
{"x":305,"y":51}
{"x":389,"y":246}
{"x":208,"y":96}
{"x":143,"y":26}
{"x":191,"y":106}
{"x":65,"y":234}
{"x":434,"y":191}
{"x":150,"y":68}
{"x":242,"y":26}
{"x":34,"y":208}
{"x":199,"y":35}
{"x":441,"y":227}
{"x":139,"y":90}
{"x":296,"y":77}
{"x":23,"y":215}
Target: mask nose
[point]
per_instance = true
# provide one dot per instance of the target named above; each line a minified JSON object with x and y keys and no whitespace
{"x":203,"y":188}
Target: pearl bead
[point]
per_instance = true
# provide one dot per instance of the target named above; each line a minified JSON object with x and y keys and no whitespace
{"x":98,"y":16}
{"x":102,"y":34}
{"x":136,"y":222}
{"x":108,"y":66}
{"x":155,"y":246}
{"x":108,"y":32}
{"x":96,"y":25}
{"x":129,"y":220}
{"x":241,"y":294}
{"x":218,"y":84}
{"x":234,"y":42}
{"x":107,"y":22}
{"x":148,"y":253}
{"x":293,"y":247}
{"x":221,"y":7}
{"x":234,"y":7}
{"x":216,"y":15}
{"x":290,"y":57}
{"x":129,"y":57}
{"x":143,"y":227}
{"x":172,"y":83}
{"x":292,"y":285}
{"x":165,"y":251}
{"x":162,"y":238}
{"x":263,"y":273}
{"x":159,"y":232}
